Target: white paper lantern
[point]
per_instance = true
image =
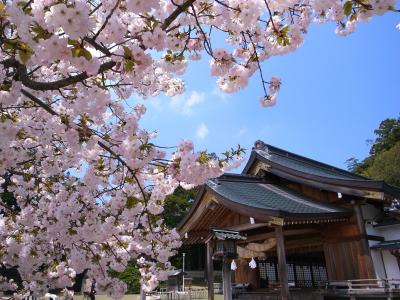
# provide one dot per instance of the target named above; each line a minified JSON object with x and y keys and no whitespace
{"x":252,"y":263}
{"x":233,"y":265}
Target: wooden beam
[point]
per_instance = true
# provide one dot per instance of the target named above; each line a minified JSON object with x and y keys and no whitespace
{"x":302,"y":242}
{"x":282,"y":267}
{"x":210,"y":270}
{"x":264,"y":236}
{"x":226,"y":278}
{"x":247,"y":226}
{"x":201,"y":209}
{"x":357,"y":237}
{"x":198,"y":234}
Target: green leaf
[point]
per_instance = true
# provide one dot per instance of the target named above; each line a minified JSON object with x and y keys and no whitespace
{"x":86,"y":54}
{"x":40,"y":32}
{"x":131,"y":202}
{"x":73,"y":43}
{"x":64,"y":119}
{"x":72,"y":231}
{"x":129,"y":65}
{"x":100,"y":166}
{"x":76,"y":52}
{"x":24,"y":55}
{"x":127,"y":52}
{"x":10,"y":45}
{"x":146,"y":147}
{"x":348,"y":7}
{"x":33,"y":252}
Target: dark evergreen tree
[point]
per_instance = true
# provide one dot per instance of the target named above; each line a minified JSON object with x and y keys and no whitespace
{"x":383,"y":162}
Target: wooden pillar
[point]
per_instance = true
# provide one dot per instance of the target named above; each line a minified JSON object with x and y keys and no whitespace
{"x":282,"y":267}
{"x":227,"y":279}
{"x":210,"y":270}
{"x":361,"y":228}
{"x":367,"y":267}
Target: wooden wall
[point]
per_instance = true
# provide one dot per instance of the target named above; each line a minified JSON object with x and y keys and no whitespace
{"x":232,"y":218}
{"x":344,"y":246}
{"x":345,"y":254}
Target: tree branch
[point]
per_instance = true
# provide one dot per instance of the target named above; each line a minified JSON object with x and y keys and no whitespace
{"x":58,"y":84}
{"x":106,"y":20}
{"x":39,"y":102}
{"x":176,"y":13}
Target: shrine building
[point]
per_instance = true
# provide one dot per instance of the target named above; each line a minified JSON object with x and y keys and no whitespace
{"x":290,"y":227}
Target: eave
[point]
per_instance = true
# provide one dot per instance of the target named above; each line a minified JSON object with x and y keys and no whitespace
{"x":371,"y":189}
{"x":207,"y":198}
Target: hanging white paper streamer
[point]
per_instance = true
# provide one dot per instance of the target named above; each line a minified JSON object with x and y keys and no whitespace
{"x":233,"y":265}
{"x":252,"y":263}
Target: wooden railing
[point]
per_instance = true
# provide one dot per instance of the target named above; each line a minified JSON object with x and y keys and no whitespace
{"x":364,"y":285}
{"x":187,"y":295}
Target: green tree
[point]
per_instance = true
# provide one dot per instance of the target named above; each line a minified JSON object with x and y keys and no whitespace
{"x":386,"y":166}
{"x":383,"y":162}
{"x":177,"y":205}
{"x":131,"y":276}
{"x":388,"y":135}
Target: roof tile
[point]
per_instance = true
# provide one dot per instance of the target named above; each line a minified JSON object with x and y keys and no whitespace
{"x":259,"y":194}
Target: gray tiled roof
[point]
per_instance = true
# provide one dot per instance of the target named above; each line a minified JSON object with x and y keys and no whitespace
{"x":304,"y":164}
{"x":256,"y":193}
{"x":309,"y":168}
{"x":387,"y":245}
{"x":228,"y":235}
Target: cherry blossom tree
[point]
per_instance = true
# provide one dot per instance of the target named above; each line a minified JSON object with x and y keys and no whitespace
{"x":87,"y":184}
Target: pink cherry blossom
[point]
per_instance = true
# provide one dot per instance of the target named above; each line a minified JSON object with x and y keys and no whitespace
{"x":87,"y":182}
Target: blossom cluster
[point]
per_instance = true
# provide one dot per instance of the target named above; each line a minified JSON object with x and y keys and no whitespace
{"x":82,"y":185}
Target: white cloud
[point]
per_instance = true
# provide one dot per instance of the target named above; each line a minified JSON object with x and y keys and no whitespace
{"x":202,"y":131}
{"x":155,"y":103}
{"x":220,"y":94}
{"x":241,"y":132}
{"x":185,"y":105}
{"x":176,"y":101}
{"x":195,"y":98}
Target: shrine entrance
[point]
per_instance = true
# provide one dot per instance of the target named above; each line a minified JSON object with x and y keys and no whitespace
{"x":303,"y":271}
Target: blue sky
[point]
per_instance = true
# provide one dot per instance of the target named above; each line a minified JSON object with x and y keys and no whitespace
{"x":335,"y":92}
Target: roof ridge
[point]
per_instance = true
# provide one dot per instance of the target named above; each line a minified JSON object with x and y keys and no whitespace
{"x":304,"y":159}
{"x":239,"y":177}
